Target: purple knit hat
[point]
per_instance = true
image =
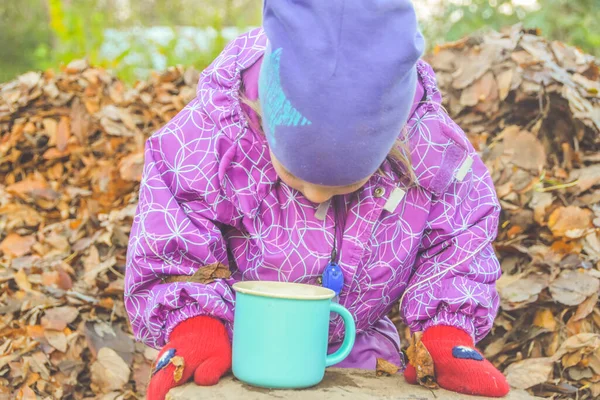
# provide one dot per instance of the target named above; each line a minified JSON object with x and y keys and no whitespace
{"x":336,"y":85}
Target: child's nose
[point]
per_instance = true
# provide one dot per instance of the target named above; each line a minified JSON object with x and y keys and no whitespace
{"x":317,"y":195}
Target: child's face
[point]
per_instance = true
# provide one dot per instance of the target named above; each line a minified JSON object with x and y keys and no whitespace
{"x":315,"y":193}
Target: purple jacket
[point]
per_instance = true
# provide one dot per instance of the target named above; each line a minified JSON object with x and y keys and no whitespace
{"x":209,"y":194}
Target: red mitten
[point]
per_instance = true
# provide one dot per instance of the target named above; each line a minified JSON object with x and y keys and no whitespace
{"x":203,"y":344}
{"x":459,"y":367}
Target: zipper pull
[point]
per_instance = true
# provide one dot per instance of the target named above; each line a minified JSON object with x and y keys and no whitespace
{"x":333,"y":278}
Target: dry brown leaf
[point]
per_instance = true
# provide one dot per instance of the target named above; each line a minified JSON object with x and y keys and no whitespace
{"x":572,"y":287}
{"x":587,"y":342}
{"x":76,"y":66}
{"x":480,"y":91}
{"x":505,"y":79}
{"x":528,"y":373}
{"x":545,"y":319}
{"x":35,"y":331}
{"x":26,"y":393}
{"x":109,"y":372}
{"x":179,"y":364}
{"x":50,"y":127}
{"x":19,"y":215}
{"x":57,"y":339}
{"x":131,"y":167}
{"x":594,"y":361}
{"x":63,"y":133}
{"x":540,"y":201}
{"x":595,"y":389}
{"x":586,"y":308}
{"x":580,"y":373}
{"x":15,"y":245}
{"x":58,"y":278}
{"x":386,"y":368}
{"x":58,"y":318}
{"x":586,"y":178}
{"x":516,"y":291}
{"x":570,"y":221}
{"x":22,"y":280}
{"x":206,"y":274}
{"x":80,"y":121}
{"x":32,"y":187}
{"x":572,"y":359}
{"x":525,"y":150}
{"x":141,"y":375}
{"x":495,"y":348}
{"x":99,"y":336}
{"x":419,"y":357}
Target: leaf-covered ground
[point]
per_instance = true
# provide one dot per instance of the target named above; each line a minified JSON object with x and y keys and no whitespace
{"x":71,"y":159}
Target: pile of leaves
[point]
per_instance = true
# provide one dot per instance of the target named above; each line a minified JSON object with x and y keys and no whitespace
{"x":532,"y":110}
{"x":71,"y":155}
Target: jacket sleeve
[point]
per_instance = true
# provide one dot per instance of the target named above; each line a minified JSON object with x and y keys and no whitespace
{"x":453,"y":281}
{"x":176,"y":230}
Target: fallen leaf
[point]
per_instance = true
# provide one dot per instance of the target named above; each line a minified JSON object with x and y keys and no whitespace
{"x":58,"y":318}
{"x":35,"y":187}
{"x":586,"y":177}
{"x":528,"y":373}
{"x":50,"y":126}
{"x":103,"y":335}
{"x":15,"y":245}
{"x":80,"y":121}
{"x":525,"y":150}
{"x":594,"y":362}
{"x":35,"y":331}
{"x":179,"y":364}
{"x":30,"y":79}
{"x":586,"y":308}
{"x":58,"y":278}
{"x":580,"y":373}
{"x":204,"y":275}
{"x":22,"y":280}
{"x":63,"y":133}
{"x":480,"y":91}
{"x":109,"y":372}
{"x":505,"y":79}
{"x":131,"y":167}
{"x":419,"y":357}
{"x":545,"y":319}
{"x":141,"y":376}
{"x":26,"y":393}
{"x":516,"y":291}
{"x":569,"y":219}
{"x":20,"y":215}
{"x":540,"y":201}
{"x":595,"y":389}
{"x":150,"y":354}
{"x":572,"y":287}
{"x":57,"y":339}
{"x":386,"y":368}
{"x":582,"y":341}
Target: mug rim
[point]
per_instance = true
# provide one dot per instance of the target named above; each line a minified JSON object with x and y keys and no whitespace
{"x":248,"y":287}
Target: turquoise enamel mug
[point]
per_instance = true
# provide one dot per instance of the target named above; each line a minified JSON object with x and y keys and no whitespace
{"x":280,"y":334}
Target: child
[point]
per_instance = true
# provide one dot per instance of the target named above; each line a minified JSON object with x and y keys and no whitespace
{"x":316,"y":145}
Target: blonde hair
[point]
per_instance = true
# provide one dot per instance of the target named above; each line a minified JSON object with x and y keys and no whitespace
{"x":398,"y":157}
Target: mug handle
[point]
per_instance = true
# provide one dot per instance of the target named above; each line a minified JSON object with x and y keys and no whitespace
{"x":349,"y":337}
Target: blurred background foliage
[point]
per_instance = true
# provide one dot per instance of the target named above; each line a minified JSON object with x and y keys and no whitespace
{"x":134,"y":37}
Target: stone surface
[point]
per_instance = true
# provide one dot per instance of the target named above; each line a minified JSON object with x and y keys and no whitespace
{"x":338,"y":384}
